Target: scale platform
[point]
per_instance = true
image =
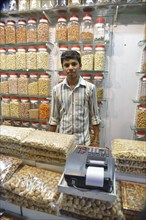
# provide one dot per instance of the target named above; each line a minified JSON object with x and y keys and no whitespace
{"x":88,"y":193}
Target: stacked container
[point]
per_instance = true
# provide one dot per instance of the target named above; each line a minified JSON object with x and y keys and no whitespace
{"x":43,"y":30}
{"x":61,"y":29}
{"x":3,"y":58}
{"x":87,"y":57}
{"x":31,"y":58}
{"x":73,"y":28}
{"x":2,"y":31}
{"x":23,"y":84}
{"x":99,"y":58}
{"x":31,"y":30}
{"x":21,"y":58}
{"x":87,"y":28}
{"x":11,"y":59}
{"x":10,"y":32}
{"x":21,"y":31}
{"x":42,"y":58}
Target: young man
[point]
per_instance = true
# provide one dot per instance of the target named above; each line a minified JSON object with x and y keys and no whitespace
{"x":74,"y":104}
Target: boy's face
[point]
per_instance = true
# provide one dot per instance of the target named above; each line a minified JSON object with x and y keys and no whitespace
{"x":71,"y":68}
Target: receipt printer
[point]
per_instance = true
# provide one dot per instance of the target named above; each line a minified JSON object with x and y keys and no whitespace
{"x":90,"y":168}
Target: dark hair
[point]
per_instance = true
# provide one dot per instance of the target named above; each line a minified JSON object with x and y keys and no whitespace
{"x":70,"y":54}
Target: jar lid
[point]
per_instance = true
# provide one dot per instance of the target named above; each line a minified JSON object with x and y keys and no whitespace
{"x":21,"y":21}
{"x":43,"y":75}
{"x":100,"y":20}
{"x":87,"y":46}
{"x":74,"y":18}
{"x":42,"y":47}
{"x":34,"y":99}
{"x":31,"y":20}
{"x":44,"y":20}
{"x":144,"y":78}
{"x":31,"y":48}
{"x":140,"y":132}
{"x":44,"y":99}
{"x":24,"y":99}
{"x":62,"y":74}
{"x":62,"y":18}
{"x":142,"y":106}
{"x":21,"y":49}
{"x":23,"y":74}
{"x":63,"y":46}
{"x":6,"y":97}
{"x":87,"y":16}
{"x":15,"y":97}
{"x":100,"y":47}
{"x":74,"y":47}
{"x":11,"y":22}
{"x":86,"y":75}
{"x":13,"y":74}
{"x":12,"y":49}
{"x":33,"y":74}
{"x":2,"y":23}
{"x":44,"y":123}
{"x":2,"y":49}
{"x":98,"y":75}
{"x":3,"y":74}
{"x":34,"y":122}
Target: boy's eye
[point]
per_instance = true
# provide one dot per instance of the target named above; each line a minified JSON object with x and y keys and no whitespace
{"x":67,"y":64}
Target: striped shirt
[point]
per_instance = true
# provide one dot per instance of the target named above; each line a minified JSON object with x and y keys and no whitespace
{"x":74,"y":110}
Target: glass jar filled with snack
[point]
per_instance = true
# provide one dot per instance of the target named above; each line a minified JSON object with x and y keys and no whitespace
{"x":62,"y":48}
{"x":21,"y":58}
{"x":142,"y":95}
{"x":31,"y":58}
{"x":35,"y":124}
{"x":73,"y":28}
{"x":3,"y":58}
{"x":2,"y":31}
{"x":144,"y":60}
{"x":87,"y":27}
{"x":61,"y":29}
{"x":5,"y":106}
{"x":4,"y":88}
{"x":74,"y":2}
{"x":99,"y":58}
{"x":21,"y":31}
{"x":87,"y":57}
{"x":44,"y":85}
{"x":43,"y":30}
{"x":15,"y":107}
{"x":87,"y":77}
{"x":34,"y":108}
{"x":140,"y":135}
{"x":46,"y":4}
{"x":76,"y":48}
{"x":33,"y":84}
{"x":140,"y":116}
{"x":99,"y":29}
{"x":24,"y":107}
{"x":13,"y":83}
{"x":11,"y":59}
{"x":10,"y":31}
{"x":31,"y":34}
{"x":98,"y":81}
{"x":23,"y":84}
{"x":60,"y":3}
{"x":42,"y":58}
{"x":35,"y":4}
{"x":87,"y":2}
{"x":23,"y":5}
{"x":25,"y":124}
{"x":44,"y":126}
{"x":44,"y":109}
{"x":13,"y":6}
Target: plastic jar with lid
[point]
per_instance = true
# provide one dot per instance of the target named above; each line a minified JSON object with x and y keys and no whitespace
{"x":31,"y":34}
{"x":23,"y":5}
{"x":87,"y":2}
{"x":142,"y":95}
{"x":35,"y":124}
{"x":42,"y":58}
{"x":21,"y":31}
{"x":16,"y":123}
{"x":13,"y":83}
{"x":43,"y":30}
{"x":98,"y":81}
{"x":62,"y":48}
{"x":10,"y":32}
{"x":4,"y":88}
{"x":21,"y":58}
{"x":87,"y":57}
{"x":2,"y":31}
{"x":44,"y":109}
{"x":23,"y":84}
{"x":33,"y":84}
{"x":34,"y":108}
{"x":60,"y":3}
{"x":141,"y":116}
{"x":31,"y":58}
{"x":87,"y":27}
{"x":3,"y":58}
{"x":99,"y":29}
{"x":5,"y":106}
{"x":62,"y":76}
{"x":7,"y":122}
{"x":44,"y":126}
{"x":11,"y":59}
{"x":87,"y":77}
{"x":25,"y":124}
{"x":99,"y":58}
{"x":35,"y":4}
{"x":61,"y":29}
{"x":140,"y":135}
{"x":13,"y":6}
{"x":24,"y":107}
{"x":73,"y":28}
{"x":46,"y":4}
{"x":144,"y":60}
{"x":74,"y":2}
{"x":15,"y":107}
{"x":44,"y":85}
{"x":76,"y":48}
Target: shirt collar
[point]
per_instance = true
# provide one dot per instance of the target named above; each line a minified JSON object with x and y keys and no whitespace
{"x":80,"y":82}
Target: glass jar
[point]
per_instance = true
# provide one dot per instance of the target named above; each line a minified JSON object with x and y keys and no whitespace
{"x":31,"y":58}
{"x":34,"y":108}
{"x":15,"y":107}
{"x":21,"y":31}
{"x":23,"y":84}
{"x":16,"y":123}
{"x":97,"y":81}
{"x":73,"y":28}
{"x":99,"y":58}
{"x":74,"y":2}
{"x":86,"y":2}
{"x":13,"y":83}
{"x":2,"y":31}
{"x":140,"y":116}
{"x":46,"y":4}
{"x":62,"y":49}
{"x":44,"y":109}
{"x":31,"y":33}
{"x":107,"y":32}
{"x":60,"y":3}
{"x":3,"y":58}
{"x":142,"y":95}
{"x":4,"y":88}
{"x":5,"y":106}
{"x":21,"y":58}
{"x":144,"y":60}
{"x":10,"y":32}
{"x":44,"y":85}
{"x":76,"y":48}
{"x":11,"y":59}
{"x":35,"y":124}
{"x":43,"y":30}
{"x":7,"y":122}
{"x":13,"y":5}
{"x":35,"y":4}
{"x":99,"y":29}
{"x":26,"y":124}
{"x":33,"y":84}
{"x":140,"y":135}
{"x":87,"y":28}
{"x":23,"y":5}
{"x":24,"y":107}
{"x":87,"y":77}
{"x":61,"y":29}
{"x":42,"y":58}
{"x":87,"y":57}
{"x":44,"y":126}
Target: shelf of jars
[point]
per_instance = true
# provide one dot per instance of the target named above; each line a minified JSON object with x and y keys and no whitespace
{"x":25,"y":44}
{"x":27,"y":96}
{"x":81,"y":43}
{"x":37,"y":71}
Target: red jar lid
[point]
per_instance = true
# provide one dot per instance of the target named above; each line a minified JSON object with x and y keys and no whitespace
{"x":100,"y":20}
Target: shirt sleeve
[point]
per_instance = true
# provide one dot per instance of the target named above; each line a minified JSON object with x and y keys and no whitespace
{"x":54,"y":115}
{"x":93,"y":107}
